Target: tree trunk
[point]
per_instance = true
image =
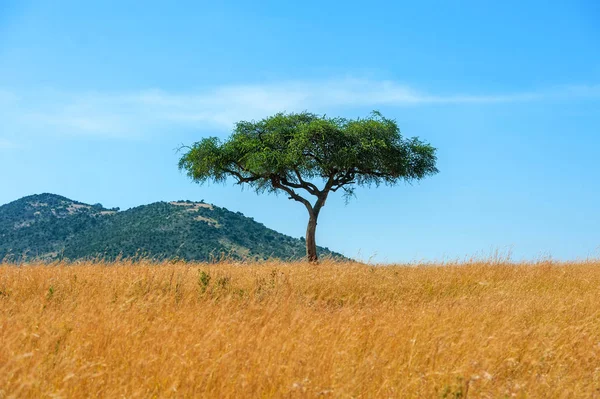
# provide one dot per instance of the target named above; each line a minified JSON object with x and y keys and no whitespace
{"x":311,"y":244}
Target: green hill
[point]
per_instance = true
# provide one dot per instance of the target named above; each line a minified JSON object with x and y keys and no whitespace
{"x":49,"y":227}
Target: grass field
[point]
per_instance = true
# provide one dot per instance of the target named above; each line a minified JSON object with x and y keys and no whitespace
{"x":297,"y":330}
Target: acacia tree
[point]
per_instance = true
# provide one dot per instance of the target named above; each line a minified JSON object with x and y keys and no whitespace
{"x":304,"y":154}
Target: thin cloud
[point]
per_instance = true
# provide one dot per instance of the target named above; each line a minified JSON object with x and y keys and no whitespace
{"x":7,"y":144}
{"x":131,"y":115}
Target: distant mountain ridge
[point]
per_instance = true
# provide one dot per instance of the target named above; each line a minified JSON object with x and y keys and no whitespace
{"x":53,"y":227}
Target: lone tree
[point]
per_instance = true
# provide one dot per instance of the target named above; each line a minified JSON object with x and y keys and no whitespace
{"x":312,"y":153}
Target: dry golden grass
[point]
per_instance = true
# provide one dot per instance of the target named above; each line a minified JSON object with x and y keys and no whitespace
{"x":297,"y":330}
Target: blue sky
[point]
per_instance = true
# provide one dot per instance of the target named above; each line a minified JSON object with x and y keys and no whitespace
{"x":95,"y":99}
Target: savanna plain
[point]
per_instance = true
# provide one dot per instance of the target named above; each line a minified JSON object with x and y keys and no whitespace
{"x":484,"y":329}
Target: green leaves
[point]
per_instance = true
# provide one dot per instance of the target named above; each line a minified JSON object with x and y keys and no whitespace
{"x":291,"y":151}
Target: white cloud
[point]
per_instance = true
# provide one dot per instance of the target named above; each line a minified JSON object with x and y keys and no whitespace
{"x":7,"y":144}
{"x":127,"y":115}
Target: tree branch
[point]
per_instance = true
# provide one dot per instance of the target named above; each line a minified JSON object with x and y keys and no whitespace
{"x":313,"y":156}
{"x":311,"y":187}
{"x":345,"y":177}
{"x":373,"y":173}
{"x":240,"y":177}
{"x":284,"y":181}
{"x":276,"y":182}
{"x":337,"y":187}
{"x":322,"y":197}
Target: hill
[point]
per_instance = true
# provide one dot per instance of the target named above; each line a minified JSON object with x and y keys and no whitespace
{"x":50,"y":227}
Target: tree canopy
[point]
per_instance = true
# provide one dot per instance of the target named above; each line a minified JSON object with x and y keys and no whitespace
{"x":313,"y":153}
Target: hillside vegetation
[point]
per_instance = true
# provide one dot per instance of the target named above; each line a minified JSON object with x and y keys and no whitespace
{"x":52,"y":227}
{"x":279,"y":329}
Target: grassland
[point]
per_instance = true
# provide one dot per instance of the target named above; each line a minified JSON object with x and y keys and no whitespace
{"x":297,"y":330}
